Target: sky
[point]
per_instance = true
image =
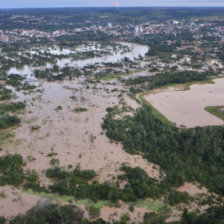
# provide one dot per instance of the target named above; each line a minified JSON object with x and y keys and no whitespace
{"x":107,"y":3}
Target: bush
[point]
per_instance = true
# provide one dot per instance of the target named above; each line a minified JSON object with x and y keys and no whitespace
{"x":7,"y":121}
{"x":51,"y":214}
{"x":11,"y":170}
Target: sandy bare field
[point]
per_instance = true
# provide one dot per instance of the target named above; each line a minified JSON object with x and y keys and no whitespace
{"x":187,"y":107}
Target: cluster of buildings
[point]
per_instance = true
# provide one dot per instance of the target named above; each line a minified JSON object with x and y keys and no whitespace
{"x":195,"y":26}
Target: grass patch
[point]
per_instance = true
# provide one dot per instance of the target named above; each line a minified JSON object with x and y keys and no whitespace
{"x":154,"y":206}
{"x":98,"y":204}
{"x":208,"y":81}
{"x":50,"y":196}
{"x":216,"y":110}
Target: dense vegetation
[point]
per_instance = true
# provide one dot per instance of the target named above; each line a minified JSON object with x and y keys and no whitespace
{"x":166,"y":78}
{"x":50,"y":213}
{"x":5,"y":94}
{"x":184,"y":155}
{"x":11,"y":170}
{"x":46,"y":212}
{"x":17,"y":82}
{"x":7,"y":121}
{"x":11,"y":107}
{"x":12,"y":173}
{"x":80,"y":184}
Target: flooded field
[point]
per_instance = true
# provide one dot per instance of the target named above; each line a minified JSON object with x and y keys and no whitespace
{"x":53,"y":128}
{"x":51,"y":125}
{"x":61,"y":126}
{"x":188,"y":107}
{"x":135,"y":50}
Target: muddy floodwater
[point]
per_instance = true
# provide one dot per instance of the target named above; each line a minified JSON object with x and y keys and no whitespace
{"x":135,"y":50}
{"x":74,"y":138}
{"x":188,"y":107}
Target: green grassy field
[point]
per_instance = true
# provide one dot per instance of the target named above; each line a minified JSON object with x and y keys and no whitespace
{"x":215,"y":110}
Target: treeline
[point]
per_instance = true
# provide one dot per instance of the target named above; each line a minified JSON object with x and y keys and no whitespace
{"x":165,"y":78}
{"x":17,"y":82}
{"x":11,"y":107}
{"x":48,"y":212}
{"x":183,"y":154}
{"x":7,"y":121}
{"x":6,"y":118}
{"x":5,"y":94}
{"x":51,"y":213}
{"x":12,"y":173}
{"x":61,"y":74}
{"x":81,"y":185}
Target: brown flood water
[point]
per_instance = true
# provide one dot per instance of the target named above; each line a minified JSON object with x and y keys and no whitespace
{"x":75,"y":138}
{"x":188,"y":107}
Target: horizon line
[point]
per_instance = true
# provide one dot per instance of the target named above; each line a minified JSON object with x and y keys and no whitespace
{"x":112,"y":7}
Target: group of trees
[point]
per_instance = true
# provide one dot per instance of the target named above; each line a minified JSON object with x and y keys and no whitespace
{"x":48,"y":212}
{"x":7,"y":120}
{"x":12,"y":173}
{"x":49,"y":74}
{"x":81,"y":184}
{"x":11,"y":170}
{"x":5,"y":93}
{"x":11,"y":107}
{"x":165,"y":78}
{"x":17,"y":81}
{"x":183,"y":154}
{"x":51,"y":213}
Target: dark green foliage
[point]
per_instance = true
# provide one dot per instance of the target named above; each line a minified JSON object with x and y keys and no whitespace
{"x":214,"y":215}
{"x":176,"y":197}
{"x":50,"y":214}
{"x":2,"y":220}
{"x":124,"y":219}
{"x":185,"y":154}
{"x":11,"y":107}
{"x":32,"y":182}
{"x":80,"y":109}
{"x":152,"y":218}
{"x":17,"y":82}
{"x":5,"y":94}
{"x":76,"y":183}
{"x":12,"y":173}
{"x":11,"y":170}
{"x":140,"y":185}
{"x":166,"y":78}
{"x":19,"y":85}
{"x":7,"y":121}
